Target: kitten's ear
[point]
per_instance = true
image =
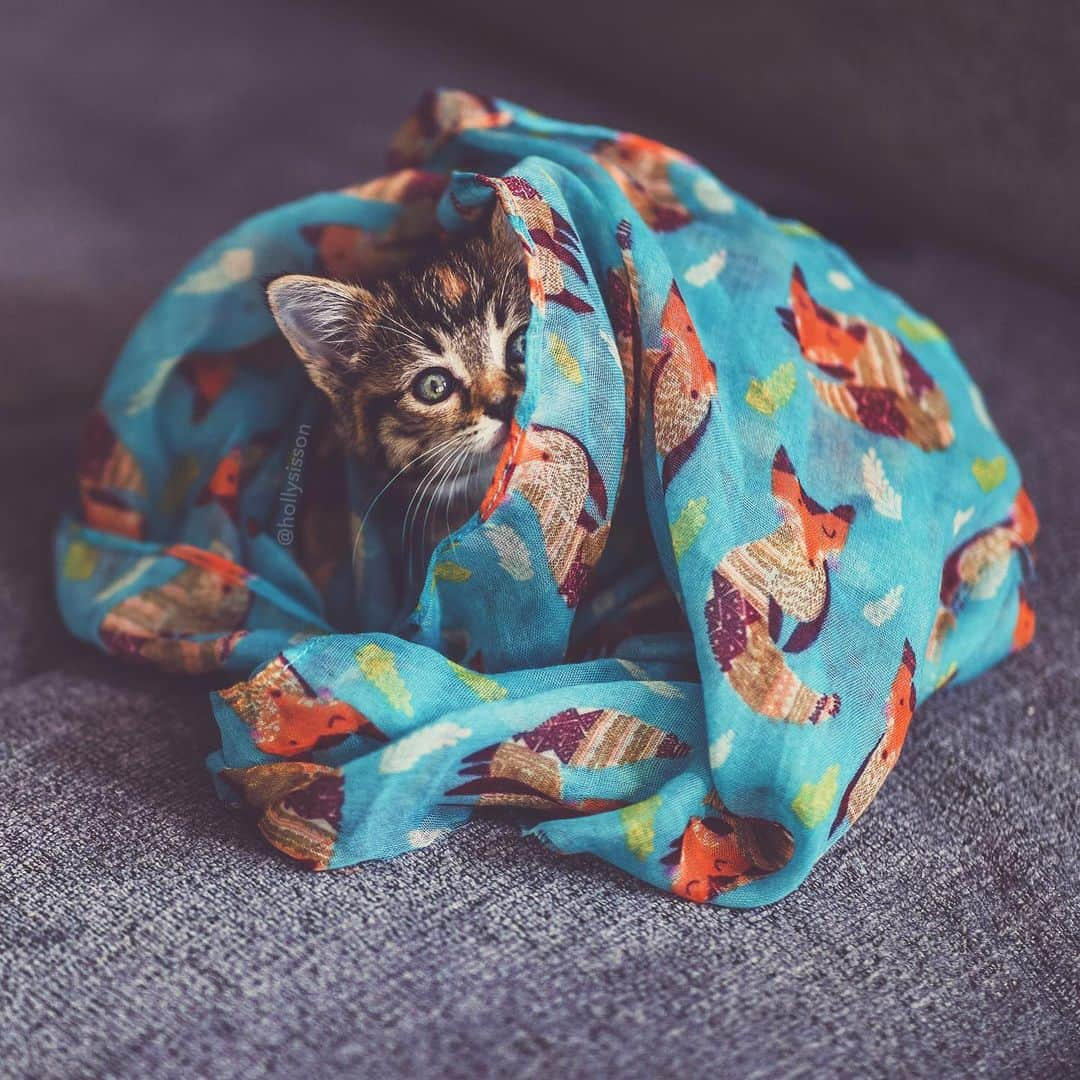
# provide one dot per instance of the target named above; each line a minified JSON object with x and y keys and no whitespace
{"x":321,"y":320}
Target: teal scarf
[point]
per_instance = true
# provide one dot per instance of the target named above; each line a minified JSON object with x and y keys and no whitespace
{"x":752,"y":509}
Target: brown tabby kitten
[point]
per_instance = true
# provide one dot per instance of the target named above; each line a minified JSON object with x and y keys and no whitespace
{"x":423,"y":370}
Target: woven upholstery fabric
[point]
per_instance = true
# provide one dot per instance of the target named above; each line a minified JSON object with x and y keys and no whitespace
{"x":751,"y":510}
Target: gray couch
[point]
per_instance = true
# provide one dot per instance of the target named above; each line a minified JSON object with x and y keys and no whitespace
{"x":146,"y":931}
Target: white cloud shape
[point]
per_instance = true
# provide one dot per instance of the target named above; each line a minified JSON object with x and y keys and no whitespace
{"x":402,"y":755}
{"x":720,"y":747}
{"x":713,"y":197}
{"x":705,"y":271}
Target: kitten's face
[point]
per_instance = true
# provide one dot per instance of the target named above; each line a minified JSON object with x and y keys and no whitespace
{"x":425,"y":365}
{"x":449,"y":344}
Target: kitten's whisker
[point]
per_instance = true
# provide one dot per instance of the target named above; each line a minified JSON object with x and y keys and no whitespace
{"x":453,"y":480}
{"x":405,"y":534}
{"x":445,"y":449}
{"x":447,"y":480}
{"x":448,"y":464}
{"x":466,"y":467}
{"x":439,"y":474}
{"x":396,"y":325}
{"x":405,"y":335}
{"x":416,"y":501}
{"x":404,"y":468}
{"x":431,"y":450}
{"x":406,"y":313}
{"x":417,"y":547}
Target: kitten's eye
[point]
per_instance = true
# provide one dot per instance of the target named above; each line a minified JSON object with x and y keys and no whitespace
{"x":515,"y":352}
{"x":433,"y":385}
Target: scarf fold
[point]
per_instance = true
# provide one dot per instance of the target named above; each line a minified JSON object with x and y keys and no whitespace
{"x":751,"y":510}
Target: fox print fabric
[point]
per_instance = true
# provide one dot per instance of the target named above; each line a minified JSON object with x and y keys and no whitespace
{"x":750,"y":511}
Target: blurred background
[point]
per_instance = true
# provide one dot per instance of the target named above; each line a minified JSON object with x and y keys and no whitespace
{"x":136,"y":132}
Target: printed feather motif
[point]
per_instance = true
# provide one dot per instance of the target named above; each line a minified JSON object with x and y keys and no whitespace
{"x":979,"y":407}
{"x":920,"y":330}
{"x":815,"y":798}
{"x":772,"y":393}
{"x":638,"y":822}
{"x":232,"y":266}
{"x":514,"y":556}
{"x":879,"y":612}
{"x":564,"y":359}
{"x":402,"y":755}
{"x":700,"y":274}
{"x":961,"y":518}
{"x":148,"y":393}
{"x":686,"y":527}
{"x":484,"y":688}
{"x":887,"y":501}
{"x":377,"y":665}
{"x":720,"y":748}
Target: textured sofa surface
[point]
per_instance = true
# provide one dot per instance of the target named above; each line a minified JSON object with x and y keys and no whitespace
{"x":145,"y":930}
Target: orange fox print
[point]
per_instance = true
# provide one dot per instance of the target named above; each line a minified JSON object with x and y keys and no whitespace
{"x":976,"y":568}
{"x":110,"y":481}
{"x":719,"y":853}
{"x":351,"y":252}
{"x":287,"y":717}
{"x":440,"y":116}
{"x":191,"y":623}
{"x":682,"y":385}
{"x":299,"y":804}
{"x":233,"y":471}
{"x":210,"y":374}
{"x":873,"y":379}
{"x":556,"y":474}
{"x":526,"y":770}
{"x":623,"y":299}
{"x":882,"y":759}
{"x":642,"y":169}
{"x":555,"y":266}
{"x":755,"y":586}
{"x":1024,"y":630}
{"x":620,"y":305}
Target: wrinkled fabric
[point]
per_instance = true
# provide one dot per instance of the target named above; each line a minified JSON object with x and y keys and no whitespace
{"x":751,"y":510}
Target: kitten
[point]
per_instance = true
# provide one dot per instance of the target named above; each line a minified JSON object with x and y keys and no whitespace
{"x":423,"y":371}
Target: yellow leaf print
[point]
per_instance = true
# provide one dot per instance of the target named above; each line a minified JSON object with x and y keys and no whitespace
{"x":378,"y":667}
{"x":920,"y":330}
{"x":484,"y":688}
{"x":451,"y":571}
{"x":949,"y":672}
{"x":772,"y":393}
{"x":685,"y":528}
{"x":564,"y":359}
{"x":638,"y":822}
{"x":815,"y":800}
{"x":989,"y":473}
{"x":80,"y":560}
{"x":797,"y":228}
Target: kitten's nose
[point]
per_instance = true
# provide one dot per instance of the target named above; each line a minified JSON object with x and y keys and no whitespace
{"x":503,"y":409}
